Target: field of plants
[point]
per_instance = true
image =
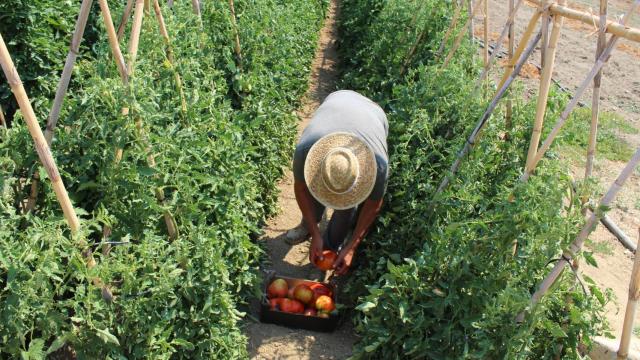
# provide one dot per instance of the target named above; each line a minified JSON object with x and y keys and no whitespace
{"x":217,"y":164}
{"x":434,"y":279}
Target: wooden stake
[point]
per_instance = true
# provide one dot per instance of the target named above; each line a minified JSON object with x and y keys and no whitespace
{"x":588,"y":227}
{"x":3,"y":122}
{"x":545,"y":84}
{"x":595,"y":100}
{"x":41,"y":145}
{"x":460,"y":36}
{"x":196,"y":8}
{"x":113,"y":41}
{"x":485,"y":117}
{"x":485,"y":35}
{"x":169,"y":50}
{"x":469,"y":23}
{"x":170,"y":3}
{"x":125,"y":18}
{"x":452,"y":26}
{"x":632,"y":304}
{"x":604,"y":57}
{"x":63,"y":85}
{"x":544,"y":9}
{"x":147,"y":7}
{"x":533,"y":22}
{"x":508,"y":29}
{"x":236,"y":33}
{"x":508,"y":124}
{"x":135,"y":35}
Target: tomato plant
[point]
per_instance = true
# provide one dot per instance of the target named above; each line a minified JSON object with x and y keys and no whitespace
{"x":444,"y":283}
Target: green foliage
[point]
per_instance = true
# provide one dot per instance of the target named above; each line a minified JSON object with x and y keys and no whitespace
{"x":218,"y":166}
{"x":444,"y":283}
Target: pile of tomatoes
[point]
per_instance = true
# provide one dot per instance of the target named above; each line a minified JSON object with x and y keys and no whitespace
{"x":312,"y":300}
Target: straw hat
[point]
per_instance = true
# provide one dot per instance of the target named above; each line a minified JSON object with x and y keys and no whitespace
{"x":340,"y":170}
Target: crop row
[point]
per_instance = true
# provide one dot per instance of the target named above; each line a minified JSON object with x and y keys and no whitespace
{"x":217,"y":163}
{"x":444,"y":281}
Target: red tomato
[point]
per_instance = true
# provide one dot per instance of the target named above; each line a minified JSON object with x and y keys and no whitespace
{"x":277,"y":289}
{"x":320,"y":289}
{"x":292,"y":306}
{"x":329,"y":257}
{"x":325,"y":303}
{"x":303,"y":294}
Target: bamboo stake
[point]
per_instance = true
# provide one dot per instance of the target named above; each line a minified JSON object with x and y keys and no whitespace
{"x":196,"y":8}
{"x":236,"y":33}
{"x":3,"y":122}
{"x":588,"y":227}
{"x":595,"y":100}
{"x":169,"y":49}
{"x":113,"y":41}
{"x":135,"y":35}
{"x":460,"y":36}
{"x":485,"y":117}
{"x":61,"y":92}
{"x":512,"y":13}
{"x":170,"y":3}
{"x":125,"y":18}
{"x":147,"y":7}
{"x":604,"y":57}
{"x":452,"y":26}
{"x":42,"y":148}
{"x":545,"y":84}
{"x":470,"y":20}
{"x":63,"y":85}
{"x":632,"y":304}
{"x":508,"y":29}
{"x":612,"y":27}
{"x":533,"y":22}
{"x":544,"y":9}
{"x":485,"y":36}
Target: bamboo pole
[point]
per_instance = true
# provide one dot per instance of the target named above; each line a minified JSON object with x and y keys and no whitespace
{"x":236,"y":34}
{"x":450,"y":29}
{"x":125,"y":18}
{"x":533,"y":22}
{"x":544,"y":9}
{"x":61,"y":92}
{"x":196,"y":8}
{"x":588,"y":227}
{"x":41,"y":145}
{"x":147,"y":7}
{"x":3,"y":122}
{"x":595,"y":100}
{"x":485,"y":34}
{"x":469,"y":23}
{"x":613,"y":27}
{"x":545,"y":84}
{"x":460,"y":36}
{"x":632,"y":304}
{"x":169,"y":50}
{"x":485,"y":117}
{"x":135,"y":35}
{"x":507,"y":30}
{"x":508,"y":124}
{"x":170,"y":3}
{"x":63,"y":85}
{"x":604,"y":57}
{"x":113,"y":41}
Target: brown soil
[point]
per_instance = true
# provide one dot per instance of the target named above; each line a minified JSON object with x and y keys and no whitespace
{"x":268,"y":341}
{"x":620,"y":93}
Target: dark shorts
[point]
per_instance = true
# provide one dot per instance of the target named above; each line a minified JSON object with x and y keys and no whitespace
{"x":341,"y":224}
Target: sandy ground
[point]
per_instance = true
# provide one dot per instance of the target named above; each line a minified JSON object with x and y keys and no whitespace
{"x":275,"y":342}
{"x":620,"y":93}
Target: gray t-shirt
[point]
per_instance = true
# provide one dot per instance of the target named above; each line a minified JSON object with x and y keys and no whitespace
{"x":348,"y":111}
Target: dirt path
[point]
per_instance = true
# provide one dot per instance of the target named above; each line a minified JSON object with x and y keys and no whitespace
{"x":275,"y":342}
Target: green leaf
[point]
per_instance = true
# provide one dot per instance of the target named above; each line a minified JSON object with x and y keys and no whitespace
{"x":107,"y":337}
{"x":366,"y":306}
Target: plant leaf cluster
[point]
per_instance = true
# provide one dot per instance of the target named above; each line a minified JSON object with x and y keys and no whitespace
{"x":217,"y":165}
{"x":443,"y":282}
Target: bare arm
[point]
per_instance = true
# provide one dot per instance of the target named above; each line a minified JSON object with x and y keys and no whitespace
{"x":368,"y":214}
{"x":305,"y":203}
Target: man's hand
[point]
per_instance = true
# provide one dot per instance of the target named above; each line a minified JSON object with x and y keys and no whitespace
{"x":344,"y":260}
{"x":315,"y":250}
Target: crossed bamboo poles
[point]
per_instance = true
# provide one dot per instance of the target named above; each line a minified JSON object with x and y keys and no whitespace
{"x":603,"y":53}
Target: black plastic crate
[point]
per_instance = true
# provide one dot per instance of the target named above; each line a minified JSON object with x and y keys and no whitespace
{"x":298,"y":321}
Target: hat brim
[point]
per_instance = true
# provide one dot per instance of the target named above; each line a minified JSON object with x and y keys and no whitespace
{"x":364,"y":183}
